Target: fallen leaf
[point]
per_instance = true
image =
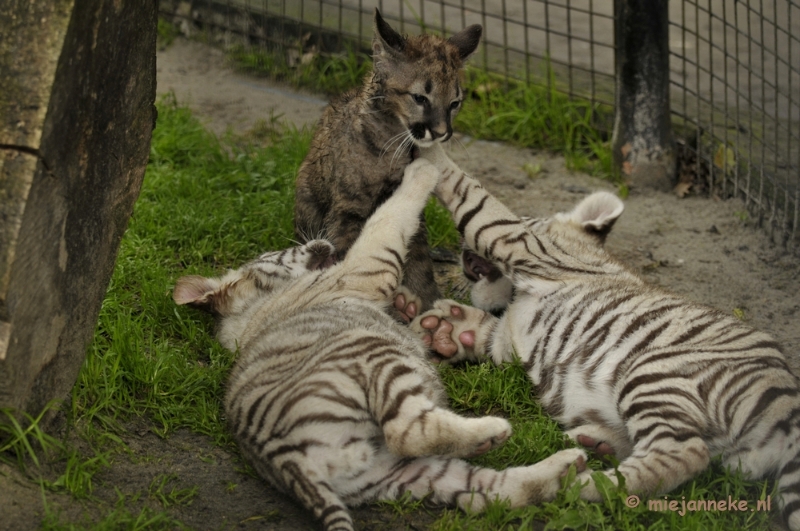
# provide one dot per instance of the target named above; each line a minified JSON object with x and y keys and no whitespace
{"x":725,"y":158}
{"x":682,"y":189}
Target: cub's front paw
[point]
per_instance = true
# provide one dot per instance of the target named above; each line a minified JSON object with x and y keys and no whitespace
{"x":407,"y":304}
{"x":451,"y":330}
{"x":422,"y":171}
{"x":485,"y":433}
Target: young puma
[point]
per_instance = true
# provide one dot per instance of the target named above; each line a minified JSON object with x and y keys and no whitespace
{"x":365,"y":139}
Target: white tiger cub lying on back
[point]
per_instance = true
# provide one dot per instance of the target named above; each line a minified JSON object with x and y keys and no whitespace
{"x":333,"y":401}
{"x":664,"y":383}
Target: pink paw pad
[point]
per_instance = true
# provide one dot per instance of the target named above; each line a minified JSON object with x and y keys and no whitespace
{"x":408,"y":310}
{"x":580,"y":466}
{"x":600,"y":448}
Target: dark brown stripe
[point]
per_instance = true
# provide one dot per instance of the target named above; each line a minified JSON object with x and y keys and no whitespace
{"x":767,"y":398}
{"x":492,"y":224}
{"x":291,"y":448}
{"x":397,"y":403}
{"x":465,"y":219}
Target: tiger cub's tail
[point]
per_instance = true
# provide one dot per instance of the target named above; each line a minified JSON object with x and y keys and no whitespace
{"x":789,"y":489}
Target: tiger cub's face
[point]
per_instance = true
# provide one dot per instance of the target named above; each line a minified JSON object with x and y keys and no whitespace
{"x":580,"y":230}
{"x":231,"y":294}
{"x":420,"y":79}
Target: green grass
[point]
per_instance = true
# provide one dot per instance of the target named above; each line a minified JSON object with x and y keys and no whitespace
{"x":535,"y":116}
{"x":210,"y":204}
{"x":328,"y":73}
{"x":119,"y":518}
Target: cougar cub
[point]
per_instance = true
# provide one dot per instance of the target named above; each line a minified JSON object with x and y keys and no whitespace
{"x":365,"y":139}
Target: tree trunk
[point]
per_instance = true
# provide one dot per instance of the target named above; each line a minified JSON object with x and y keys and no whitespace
{"x":77,"y":91}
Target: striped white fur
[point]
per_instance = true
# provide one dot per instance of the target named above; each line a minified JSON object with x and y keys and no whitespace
{"x":664,"y":382}
{"x":333,"y":401}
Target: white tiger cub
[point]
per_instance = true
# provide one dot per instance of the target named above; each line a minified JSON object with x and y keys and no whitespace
{"x":628,"y":368}
{"x":333,"y":401}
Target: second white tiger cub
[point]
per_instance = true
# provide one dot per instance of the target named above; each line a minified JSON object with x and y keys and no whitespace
{"x":664,"y":383}
{"x":333,"y":401}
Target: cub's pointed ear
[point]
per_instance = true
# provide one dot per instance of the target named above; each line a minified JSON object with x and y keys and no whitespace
{"x":467,"y":40}
{"x":386,"y":43}
{"x":598,"y":213}
{"x":196,"y":291}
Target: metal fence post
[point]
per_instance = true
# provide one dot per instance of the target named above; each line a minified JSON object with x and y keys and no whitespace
{"x":642,"y":143}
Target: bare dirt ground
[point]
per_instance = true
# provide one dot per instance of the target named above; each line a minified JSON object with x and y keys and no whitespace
{"x":698,"y":247}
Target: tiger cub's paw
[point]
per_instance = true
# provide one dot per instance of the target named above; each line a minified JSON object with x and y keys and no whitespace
{"x":422,"y":173}
{"x":601,"y":440}
{"x":407,"y":304}
{"x":541,"y":481}
{"x":482,"y":434}
{"x":452,"y":330}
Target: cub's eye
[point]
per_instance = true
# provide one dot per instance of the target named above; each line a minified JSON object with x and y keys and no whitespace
{"x":455,"y":104}
{"x":419,"y":98}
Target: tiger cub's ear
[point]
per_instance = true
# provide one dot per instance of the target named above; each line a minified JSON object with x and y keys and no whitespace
{"x":198,"y":291}
{"x":598,"y":213}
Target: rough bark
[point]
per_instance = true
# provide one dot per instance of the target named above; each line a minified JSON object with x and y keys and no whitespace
{"x":77,"y":91}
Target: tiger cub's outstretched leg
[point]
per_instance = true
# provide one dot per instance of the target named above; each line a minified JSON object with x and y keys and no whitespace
{"x":413,"y":422}
{"x":374,"y":265}
{"x":664,"y":454}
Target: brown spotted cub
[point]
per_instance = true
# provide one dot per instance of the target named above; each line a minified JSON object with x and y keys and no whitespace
{"x":365,"y":139}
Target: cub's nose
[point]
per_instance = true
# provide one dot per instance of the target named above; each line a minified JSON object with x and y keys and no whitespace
{"x":441,"y":133}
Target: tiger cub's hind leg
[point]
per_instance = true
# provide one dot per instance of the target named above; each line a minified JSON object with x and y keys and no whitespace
{"x":657,"y":464}
{"x":456,"y":482}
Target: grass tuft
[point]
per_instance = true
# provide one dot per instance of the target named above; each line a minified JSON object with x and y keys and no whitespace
{"x":22,"y":439}
{"x":327,"y":73}
{"x":535,"y":116}
{"x":165,"y":33}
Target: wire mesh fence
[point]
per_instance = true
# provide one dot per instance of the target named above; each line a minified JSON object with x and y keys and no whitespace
{"x":734,"y":70}
{"x":735,"y":75}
